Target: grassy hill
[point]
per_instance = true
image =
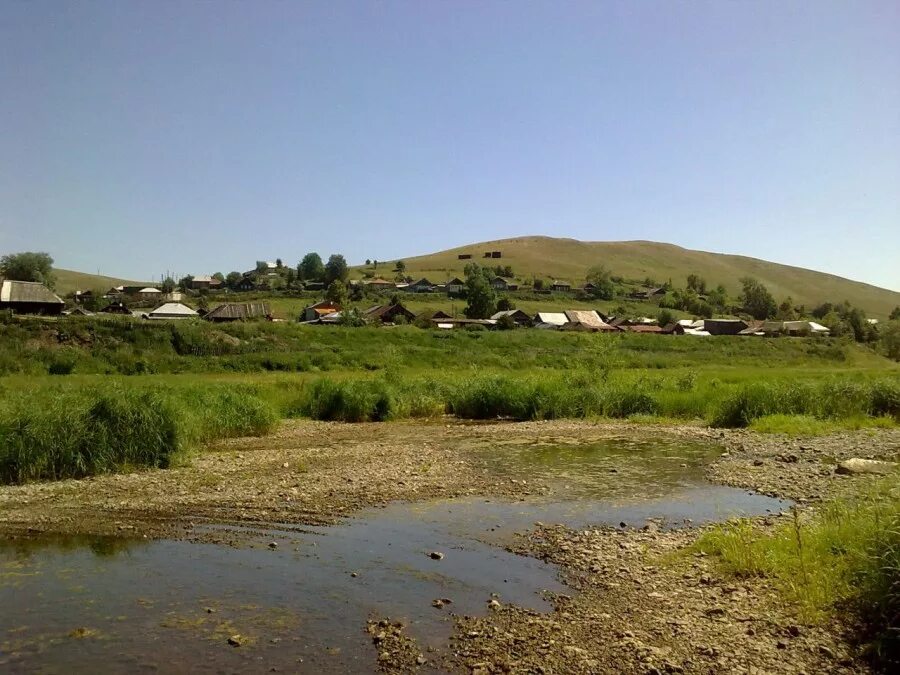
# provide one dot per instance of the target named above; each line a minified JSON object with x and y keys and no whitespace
{"x":569,"y":259}
{"x":68,"y":281}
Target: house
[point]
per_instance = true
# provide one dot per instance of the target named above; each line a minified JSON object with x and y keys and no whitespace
{"x":587,"y":319}
{"x":172,"y":310}
{"x":318,"y":310}
{"x":724,"y":326}
{"x":388,"y":314}
{"x":439,"y":314}
{"x":647,"y":293}
{"x":378,"y":284}
{"x":455,"y":286}
{"x":149,"y":293}
{"x":238,"y":311}
{"x":502,"y":284}
{"x":805,"y":328}
{"x":245,"y":284}
{"x":754,"y":328}
{"x":29,"y":297}
{"x":82,"y":296}
{"x":519,"y":317}
{"x":420,"y":286}
{"x":671,"y":329}
{"x":464,"y":256}
{"x":116,"y":308}
{"x":550,"y":320}
{"x":561,"y":286}
{"x":202,"y":282}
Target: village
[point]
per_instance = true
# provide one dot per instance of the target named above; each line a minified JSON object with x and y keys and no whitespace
{"x":213,"y":299}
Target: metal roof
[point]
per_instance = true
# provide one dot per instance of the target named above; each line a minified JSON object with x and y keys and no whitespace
{"x":239,"y":310}
{"x":555,"y":318}
{"x":170,"y":310}
{"x":28,"y":291}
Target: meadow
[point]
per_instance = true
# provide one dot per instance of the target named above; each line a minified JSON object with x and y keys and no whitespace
{"x":85,"y":396}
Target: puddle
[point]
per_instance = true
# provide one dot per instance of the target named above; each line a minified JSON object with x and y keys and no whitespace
{"x":70,"y":604}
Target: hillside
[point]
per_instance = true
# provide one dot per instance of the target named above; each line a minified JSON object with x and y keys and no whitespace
{"x":569,"y":259}
{"x":68,"y":281}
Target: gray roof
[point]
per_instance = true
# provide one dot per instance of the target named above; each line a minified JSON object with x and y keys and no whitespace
{"x":172,"y":310}
{"x":28,"y":291}
{"x":239,"y":310}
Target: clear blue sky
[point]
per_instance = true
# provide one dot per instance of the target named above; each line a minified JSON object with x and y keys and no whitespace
{"x":139,"y":137}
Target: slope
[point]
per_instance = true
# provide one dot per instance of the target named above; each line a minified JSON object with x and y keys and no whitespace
{"x":569,"y":260}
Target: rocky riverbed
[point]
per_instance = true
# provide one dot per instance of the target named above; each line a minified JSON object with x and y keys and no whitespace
{"x":631,"y":604}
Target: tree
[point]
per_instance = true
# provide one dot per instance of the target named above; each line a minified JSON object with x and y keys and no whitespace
{"x":538,"y":284}
{"x":311,"y":268}
{"x":375,"y":264}
{"x":718,"y":297}
{"x":290,"y":276}
{"x":368,"y":262}
{"x":278,"y":263}
{"x":756,"y":299}
{"x":337,"y":293}
{"x":506,"y":322}
{"x":219,"y":276}
{"x":890,"y":339}
{"x":262,"y":266}
{"x":895,"y":314}
{"x":604,"y":288}
{"x":28,"y":266}
{"x":665,"y":317}
{"x":233,"y":279}
{"x":352,"y":318}
{"x":696,"y":283}
{"x":480,"y":296}
{"x":184,"y":283}
{"x":168,"y":285}
{"x":336,"y":269}
{"x":504,"y":304}
{"x":786,"y":310}
{"x":400,"y":267}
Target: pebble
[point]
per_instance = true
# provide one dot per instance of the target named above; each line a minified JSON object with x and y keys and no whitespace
{"x":436,"y":555}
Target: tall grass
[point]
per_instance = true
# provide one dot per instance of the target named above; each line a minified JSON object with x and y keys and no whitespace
{"x":53,"y":433}
{"x":846,"y":558}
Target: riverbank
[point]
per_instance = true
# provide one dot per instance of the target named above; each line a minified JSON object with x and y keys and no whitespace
{"x":635,"y":604}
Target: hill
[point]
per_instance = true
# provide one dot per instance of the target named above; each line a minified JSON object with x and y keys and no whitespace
{"x":569,"y":260}
{"x":68,"y":281}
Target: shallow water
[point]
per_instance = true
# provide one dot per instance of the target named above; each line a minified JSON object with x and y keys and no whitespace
{"x":71,"y":604}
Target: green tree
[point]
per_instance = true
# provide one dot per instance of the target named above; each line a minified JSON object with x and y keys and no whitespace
{"x":890,"y":339}
{"x":696,"y":283}
{"x":600,"y":277}
{"x":262,"y":266}
{"x":506,"y":322}
{"x":480,"y":296}
{"x":756,"y":299}
{"x":786,"y":310}
{"x":336,"y":269}
{"x":337,"y":293}
{"x":311,"y":268}
{"x":400,"y":267}
{"x":168,"y":285}
{"x":28,"y":266}
{"x":504,"y":304}
{"x":278,"y":263}
{"x":718,"y":298}
{"x":895,"y":314}
{"x":352,"y":317}
{"x":538,"y":284}
{"x":665,"y":317}
{"x":184,"y":283}
{"x":219,"y":276}
{"x":233,"y":279}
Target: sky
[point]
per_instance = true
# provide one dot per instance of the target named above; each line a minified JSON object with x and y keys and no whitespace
{"x":143,"y":137}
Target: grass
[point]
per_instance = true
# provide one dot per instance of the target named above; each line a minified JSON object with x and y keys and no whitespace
{"x":53,"y":433}
{"x":807,"y":425}
{"x":845,"y":558}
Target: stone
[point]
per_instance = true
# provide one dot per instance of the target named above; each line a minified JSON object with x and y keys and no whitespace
{"x":273,"y":544}
{"x":857,"y":465}
{"x":493,"y":604}
{"x":436,"y":555}
{"x":235,"y":640}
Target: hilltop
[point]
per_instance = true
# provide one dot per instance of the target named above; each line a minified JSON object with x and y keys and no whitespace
{"x":569,"y":260}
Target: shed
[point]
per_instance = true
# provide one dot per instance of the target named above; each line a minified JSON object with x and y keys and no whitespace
{"x":561,"y":286}
{"x":319,"y":310}
{"x":29,"y":297}
{"x":245,"y":284}
{"x":551,"y":320}
{"x":172,"y":310}
{"x":455,"y":285}
{"x":239,"y":311}
{"x":420,"y":286}
{"x":388,"y":313}
{"x":116,"y":308}
{"x":587,"y":319}
{"x":724,"y":326}
{"x":378,"y":284}
{"x":517,"y":315}
{"x":503,"y":284}
{"x":77,"y":311}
